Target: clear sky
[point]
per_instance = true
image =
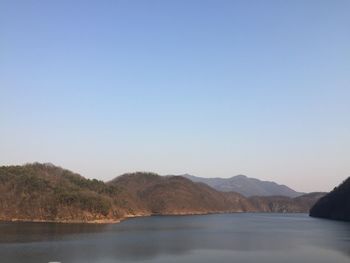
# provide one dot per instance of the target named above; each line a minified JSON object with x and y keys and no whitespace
{"x":210,"y":88}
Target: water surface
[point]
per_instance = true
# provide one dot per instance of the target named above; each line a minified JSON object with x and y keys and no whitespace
{"x":211,"y":238}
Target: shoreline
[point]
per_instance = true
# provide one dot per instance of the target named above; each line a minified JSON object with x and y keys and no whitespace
{"x":110,"y":221}
{"x":120,"y":220}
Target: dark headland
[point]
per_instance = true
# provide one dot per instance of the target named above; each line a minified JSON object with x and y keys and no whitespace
{"x":335,"y":205}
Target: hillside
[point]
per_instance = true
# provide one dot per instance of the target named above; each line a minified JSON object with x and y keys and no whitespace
{"x":177,"y":195}
{"x":335,"y":205}
{"x":246,"y":186}
{"x":43,"y":192}
{"x":284,"y":204}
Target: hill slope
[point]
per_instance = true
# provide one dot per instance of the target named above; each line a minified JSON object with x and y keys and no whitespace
{"x":178,"y":195}
{"x":246,"y":186}
{"x":284,"y":204}
{"x":42,"y":192}
{"x":335,"y":205}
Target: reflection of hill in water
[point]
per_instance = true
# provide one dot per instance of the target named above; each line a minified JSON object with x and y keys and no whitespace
{"x":191,"y":238}
{"x":24,"y":232}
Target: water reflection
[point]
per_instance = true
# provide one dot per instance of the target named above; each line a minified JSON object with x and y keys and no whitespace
{"x":247,"y":237}
{"x":17,"y":232}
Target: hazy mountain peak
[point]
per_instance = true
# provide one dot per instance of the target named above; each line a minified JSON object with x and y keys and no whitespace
{"x":240,"y":176}
{"x":246,"y":186}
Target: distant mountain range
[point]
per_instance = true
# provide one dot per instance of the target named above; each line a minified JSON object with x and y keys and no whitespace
{"x":44,"y":192}
{"x":335,"y":205}
{"x":246,"y":186}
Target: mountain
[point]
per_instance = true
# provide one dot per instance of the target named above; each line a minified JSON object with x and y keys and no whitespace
{"x":284,"y":204}
{"x":44,"y":192}
{"x":246,"y":186}
{"x":335,"y":205}
{"x":178,"y":195}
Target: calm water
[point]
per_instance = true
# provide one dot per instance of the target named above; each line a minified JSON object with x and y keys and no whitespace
{"x":212,"y":238}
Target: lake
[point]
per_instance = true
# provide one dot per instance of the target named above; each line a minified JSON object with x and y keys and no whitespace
{"x":237,"y":237}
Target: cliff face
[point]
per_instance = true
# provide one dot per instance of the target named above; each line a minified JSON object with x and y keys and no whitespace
{"x":40,"y":192}
{"x":335,"y":205}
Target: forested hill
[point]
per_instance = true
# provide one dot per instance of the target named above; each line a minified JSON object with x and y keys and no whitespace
{"x":44,"y":192}
{"x":335,"y":205}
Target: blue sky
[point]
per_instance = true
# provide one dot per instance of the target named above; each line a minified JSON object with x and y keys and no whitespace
{"x":211,"y":88}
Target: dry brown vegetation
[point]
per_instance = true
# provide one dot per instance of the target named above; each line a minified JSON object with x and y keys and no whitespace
{"x":43,"y":192}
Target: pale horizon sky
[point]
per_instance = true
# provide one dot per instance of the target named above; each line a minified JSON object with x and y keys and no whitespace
{"x":208,"y":88}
